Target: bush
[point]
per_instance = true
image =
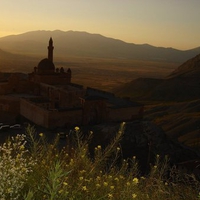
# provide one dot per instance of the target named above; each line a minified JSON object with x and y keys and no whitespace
{"x":37,"y":170}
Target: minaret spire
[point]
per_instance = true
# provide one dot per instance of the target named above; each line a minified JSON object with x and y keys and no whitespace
{"x":50,"y":49}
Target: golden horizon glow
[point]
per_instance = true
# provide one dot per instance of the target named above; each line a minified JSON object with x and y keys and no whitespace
{"x":158,"y":23}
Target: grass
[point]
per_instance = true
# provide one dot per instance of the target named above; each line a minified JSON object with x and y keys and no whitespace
{"x":71,"y":173}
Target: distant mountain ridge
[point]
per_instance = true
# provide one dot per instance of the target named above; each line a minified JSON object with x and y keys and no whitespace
{"x":83,"y":44}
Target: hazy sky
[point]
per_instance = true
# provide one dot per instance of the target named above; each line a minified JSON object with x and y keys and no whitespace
{"x":168,"y":23}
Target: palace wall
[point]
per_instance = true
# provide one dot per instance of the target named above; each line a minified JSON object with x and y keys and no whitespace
{"x":50,"y":119}
{"x":34,"y":113}
{"x":9,"y":109}
{"x":65,"y":118}
{"x":51,"y":79}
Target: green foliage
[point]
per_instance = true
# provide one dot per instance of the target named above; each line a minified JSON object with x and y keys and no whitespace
{"x":71,"y":174}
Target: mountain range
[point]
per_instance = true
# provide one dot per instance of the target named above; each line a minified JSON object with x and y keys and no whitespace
{"x":83,"y":44}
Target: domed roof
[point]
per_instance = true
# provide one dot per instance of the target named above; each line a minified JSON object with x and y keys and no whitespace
{"x":46,"y":64}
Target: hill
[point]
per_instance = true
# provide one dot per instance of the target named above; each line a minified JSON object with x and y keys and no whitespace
{"x":190,"y":68}
{"x":74,"y":43}
{"x":181,"y":85}
{"x":11,"y":62}
{"x":173,"y":102}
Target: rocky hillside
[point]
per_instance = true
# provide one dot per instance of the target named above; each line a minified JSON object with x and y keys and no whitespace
{"x":144,"y":140}
{"x":172,"y":103}
{"x":181,"y":85}
{"x":189,"y":69}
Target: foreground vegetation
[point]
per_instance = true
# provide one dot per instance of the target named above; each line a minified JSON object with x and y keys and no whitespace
{"x":33,"y":169}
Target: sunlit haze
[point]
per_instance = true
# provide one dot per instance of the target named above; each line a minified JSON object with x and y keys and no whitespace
{"x":172,"y":23}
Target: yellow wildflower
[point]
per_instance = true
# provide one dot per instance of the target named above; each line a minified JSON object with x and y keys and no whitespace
{"x":98,"y":178}
{"x":65,"y":183}
{"x":110,"y":196}
{"x":77,"y":128}
{"x":60,"y":191}
{"x":41,"y":134}
{"x":98,"y":185}
{"x":110,"y":177}
{"x":134,"y":196}
{"x":116,"y":179}
{"x":84,"y":188}
{"x":105,"y":184}
{"x":135,"y":180}
{"x":112,"y":187}
{"x":22,"y":147}
{"x":121,"y":177}
{"x":128,"y":184}
{"x":81,"y":178}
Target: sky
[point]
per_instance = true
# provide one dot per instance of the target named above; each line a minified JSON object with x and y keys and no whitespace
{"x":166,"y":23}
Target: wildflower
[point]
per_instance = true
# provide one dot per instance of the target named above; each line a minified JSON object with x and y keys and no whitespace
{"x":116,"y":179}
{"x":81,"y":178}
{"x":134,"y":196}
{"x":98,"y":178}
{"x":65,"y":183}
{"x":121,"y":177}
{"x":60,"y":191}
{"x":41,"y":134}
{"x":18,"y":166}
{"x":99,"y":147}
{"x":22,"y":147}
{"x":84,"y":188}
{"x":112,"y":187}
{"x":155,"y":166}
{"x":110,"y":196}
{"x":105,"y":184}
{"x":98,"y":185}
{"x":83,"y":156}
{"x":118,"y":148}
{"x":71,"y":162}
{"x":77,"y":128}
{"x":128,"y":184}
{"x":135,"y":180}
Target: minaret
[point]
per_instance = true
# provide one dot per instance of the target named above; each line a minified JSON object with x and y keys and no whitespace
{"x":50,"y":50}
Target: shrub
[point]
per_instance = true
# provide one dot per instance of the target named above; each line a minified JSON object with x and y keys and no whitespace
{"x":15,"y":165}
{"x":71,"y":174}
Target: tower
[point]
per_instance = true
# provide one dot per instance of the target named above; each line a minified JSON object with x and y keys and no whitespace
{"x":50,"y":50}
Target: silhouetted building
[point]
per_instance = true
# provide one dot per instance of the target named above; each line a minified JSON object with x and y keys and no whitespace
{"x":47,"y":97}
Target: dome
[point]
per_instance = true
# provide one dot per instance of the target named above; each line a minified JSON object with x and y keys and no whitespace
{"x":46,"y":64}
